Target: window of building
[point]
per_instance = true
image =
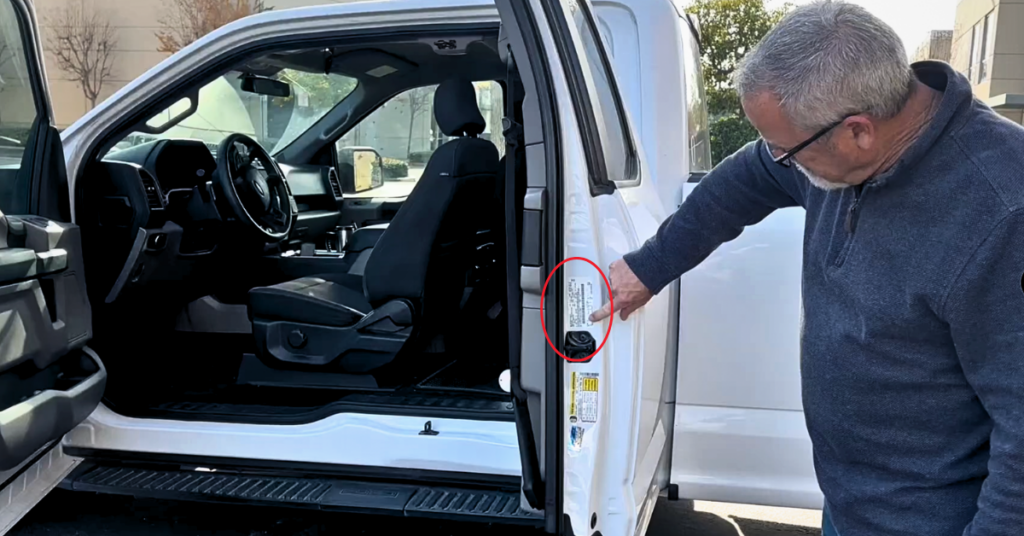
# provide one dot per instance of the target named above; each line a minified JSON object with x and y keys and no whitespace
{"x":982,"y":46}
{"x":405,"y":134}
{"x":988,"y":47}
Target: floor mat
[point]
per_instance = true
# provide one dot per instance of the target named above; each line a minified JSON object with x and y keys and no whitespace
{"x":466,"y":375}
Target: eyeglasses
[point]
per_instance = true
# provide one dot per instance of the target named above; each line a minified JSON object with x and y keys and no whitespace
{"x":784,"y":160}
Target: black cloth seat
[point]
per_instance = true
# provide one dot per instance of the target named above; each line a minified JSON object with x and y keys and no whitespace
{"x":312,"y":300}
{"x":417,"y":271}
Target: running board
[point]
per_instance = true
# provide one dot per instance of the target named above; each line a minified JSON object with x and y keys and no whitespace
{"x":329,"y":494}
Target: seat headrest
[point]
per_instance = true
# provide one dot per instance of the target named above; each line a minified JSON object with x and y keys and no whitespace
{"x":455,"y":109}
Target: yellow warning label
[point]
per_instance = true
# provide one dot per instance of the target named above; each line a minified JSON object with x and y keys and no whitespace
{"x":583,"y":398}
{"x":572,"y":396}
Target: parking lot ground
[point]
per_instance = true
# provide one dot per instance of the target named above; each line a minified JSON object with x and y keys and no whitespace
{"x":720,"y":519}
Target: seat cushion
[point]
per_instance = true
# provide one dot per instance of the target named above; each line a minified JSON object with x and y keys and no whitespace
{"x":309,"y":300}
{"x":348,"y":280}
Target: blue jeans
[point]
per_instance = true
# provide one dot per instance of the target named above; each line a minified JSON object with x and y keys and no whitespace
{"x":826,"y":524}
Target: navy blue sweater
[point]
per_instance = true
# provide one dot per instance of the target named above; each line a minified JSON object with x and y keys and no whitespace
{"x":913,"y":334}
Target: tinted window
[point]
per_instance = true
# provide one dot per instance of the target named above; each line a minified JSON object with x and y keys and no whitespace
{"x":17,"y":110}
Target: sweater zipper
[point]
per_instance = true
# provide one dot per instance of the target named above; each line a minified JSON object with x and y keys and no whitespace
{"x":851,"y":223}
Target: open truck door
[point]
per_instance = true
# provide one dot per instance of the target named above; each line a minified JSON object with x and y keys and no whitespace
{"x":49,"y":380}
{"x":597,"y":436}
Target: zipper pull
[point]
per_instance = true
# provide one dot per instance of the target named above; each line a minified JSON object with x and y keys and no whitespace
{"x":849,"y":217}
{"x":853,"y":208}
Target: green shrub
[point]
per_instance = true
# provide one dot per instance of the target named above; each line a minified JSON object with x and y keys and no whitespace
{"x":419,"y":157}
{"x":729,"y":134}
{"x":395,"y":169}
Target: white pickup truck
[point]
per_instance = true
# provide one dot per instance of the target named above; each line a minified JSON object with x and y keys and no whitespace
{"x":207,"y":295}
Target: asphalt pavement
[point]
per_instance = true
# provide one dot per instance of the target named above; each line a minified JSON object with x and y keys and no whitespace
{"x":82,"y":514}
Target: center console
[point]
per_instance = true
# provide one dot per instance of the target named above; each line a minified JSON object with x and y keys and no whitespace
{"x":345,"y":248}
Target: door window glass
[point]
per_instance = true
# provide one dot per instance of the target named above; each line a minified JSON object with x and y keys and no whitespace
{"x":17,"y":110}
{"x":619,"y":154}
{"x":404,"y":132}
{"x":696,"y":108}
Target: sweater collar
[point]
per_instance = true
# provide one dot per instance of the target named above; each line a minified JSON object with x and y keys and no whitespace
{"x":956,"y":99}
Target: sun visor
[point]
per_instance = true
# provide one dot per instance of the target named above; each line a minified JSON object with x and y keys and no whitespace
{"x":372,"y":63}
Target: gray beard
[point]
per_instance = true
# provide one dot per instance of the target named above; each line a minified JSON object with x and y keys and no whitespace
{"x":818,"y":181}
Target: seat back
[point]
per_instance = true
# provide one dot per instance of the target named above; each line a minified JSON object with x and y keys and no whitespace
{"x":425,"y":254}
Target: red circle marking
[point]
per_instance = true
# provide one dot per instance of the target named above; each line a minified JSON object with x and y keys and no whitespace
{"x":611,"y":318}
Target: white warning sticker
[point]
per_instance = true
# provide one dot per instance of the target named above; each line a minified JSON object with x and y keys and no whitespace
{"x":584,"y":401}
{"x":581,"y":301}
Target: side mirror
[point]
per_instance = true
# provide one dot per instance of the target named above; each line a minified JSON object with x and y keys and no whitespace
{"x":360,"y":169}
{"x":265,"y":86}
{"x":368,"y":169}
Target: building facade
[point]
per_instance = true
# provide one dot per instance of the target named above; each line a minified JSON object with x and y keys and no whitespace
{"x":988,"y":47}
{"x":938,"y":46}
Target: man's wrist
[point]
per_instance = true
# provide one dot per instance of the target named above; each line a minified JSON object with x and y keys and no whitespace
{"x":648,"y":268}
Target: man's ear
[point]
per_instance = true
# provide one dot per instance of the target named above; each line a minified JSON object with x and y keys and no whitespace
{"x":862,"y":130}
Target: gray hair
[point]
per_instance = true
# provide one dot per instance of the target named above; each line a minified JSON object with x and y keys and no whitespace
{"x":828,"y":59}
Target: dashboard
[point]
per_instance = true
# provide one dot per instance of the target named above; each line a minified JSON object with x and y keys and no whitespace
{"x":154,"y":213}
{"x":183,"y":165}
{"x":169,"y":167}
{"x":170,"y":170}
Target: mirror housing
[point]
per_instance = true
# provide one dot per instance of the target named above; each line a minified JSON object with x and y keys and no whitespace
{"x":265,"y":86}
{"x":360,"y":169}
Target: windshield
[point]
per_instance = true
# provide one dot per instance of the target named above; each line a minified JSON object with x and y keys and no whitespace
{"x":224,"y":108}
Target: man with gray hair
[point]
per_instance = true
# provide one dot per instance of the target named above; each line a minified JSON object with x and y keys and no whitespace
{"x":912,"y":349}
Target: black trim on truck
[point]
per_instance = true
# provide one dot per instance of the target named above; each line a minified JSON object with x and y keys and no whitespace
{"x":303,"y":491}
{"x":281,"y":467}
{"x":537,"y":61}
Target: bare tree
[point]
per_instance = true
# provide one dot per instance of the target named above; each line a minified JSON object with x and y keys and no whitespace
{"x":83,"y":44}
{"x":185,"y":21}
{"x":419,"y":100}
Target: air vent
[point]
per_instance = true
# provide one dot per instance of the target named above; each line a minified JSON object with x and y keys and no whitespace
{"x":332,"y":176}
{"x":152,"y":192}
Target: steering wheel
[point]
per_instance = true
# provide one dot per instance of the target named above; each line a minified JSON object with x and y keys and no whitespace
{"x":254,"y":187}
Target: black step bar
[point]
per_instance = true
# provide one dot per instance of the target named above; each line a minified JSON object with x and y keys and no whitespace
{"x":328,"y":494}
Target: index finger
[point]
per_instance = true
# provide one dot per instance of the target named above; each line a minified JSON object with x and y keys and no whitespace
{"x":601,"y":313}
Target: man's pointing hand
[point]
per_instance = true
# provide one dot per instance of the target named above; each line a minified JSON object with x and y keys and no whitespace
{"x":628,"y":293}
